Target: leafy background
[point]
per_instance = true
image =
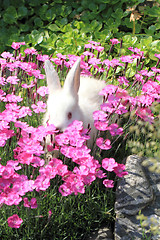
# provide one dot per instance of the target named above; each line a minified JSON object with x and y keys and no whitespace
{"x":64,"y":26}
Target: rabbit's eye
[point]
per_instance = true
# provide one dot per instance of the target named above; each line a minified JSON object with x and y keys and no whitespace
{"x":69,"y":115}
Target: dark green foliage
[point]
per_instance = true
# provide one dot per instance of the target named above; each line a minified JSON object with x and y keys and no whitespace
{"x":66,"y":25}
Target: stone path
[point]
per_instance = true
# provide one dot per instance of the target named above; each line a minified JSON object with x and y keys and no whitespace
{"x":137,"y":191}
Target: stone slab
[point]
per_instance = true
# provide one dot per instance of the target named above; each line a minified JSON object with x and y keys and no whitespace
{"x":137,"y":191}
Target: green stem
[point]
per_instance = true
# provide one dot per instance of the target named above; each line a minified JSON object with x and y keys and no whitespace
{"x":134,"y":27}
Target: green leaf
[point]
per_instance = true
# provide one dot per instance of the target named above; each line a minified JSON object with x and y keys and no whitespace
{"x":130,"y":72}
{"x":10,"y":15}
{"x":152,"y":55}
{"x":22,"y":11}
{"x":36,"y":37}
{"x":58,"y":1}
{"x":67,"y":11}
{"x":24,"y":27}
{"x":80,"y":9}
{"x":6,"y":4}
{"x":92,"y":6}
{"x":102,"y":6}
{"x":42,"y":12}
{"x":156,"y":45}
{"x":38,"y":22}
{"x":150,"y":30}
{"x":63,"y":21}
{"x":34,"y":2}
{"x":103,"y":35}
{"x":95,"y":25}
{"x":154,"y":11}
{"x":59,"y":10}
{"x":53,"y":28}
{"x":86,"y":16}
{"x":117,"y":14}
{"x":146,"y":41}
{"x":157,"y":26}
{"x":60,"y":43}
{"x":67,"y":28}
{"x":49,"y":43}
{"x":50,"y":14}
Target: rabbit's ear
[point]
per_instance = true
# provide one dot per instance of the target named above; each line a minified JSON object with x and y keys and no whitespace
{"x":72,"y":81}
{"x":53,"y":81}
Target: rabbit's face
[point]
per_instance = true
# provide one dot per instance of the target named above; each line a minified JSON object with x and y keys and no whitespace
{"x":62,"y":103}
{"x":63,"y":109}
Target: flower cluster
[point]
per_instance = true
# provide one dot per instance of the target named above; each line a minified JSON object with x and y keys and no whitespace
{"x":23,"y":99}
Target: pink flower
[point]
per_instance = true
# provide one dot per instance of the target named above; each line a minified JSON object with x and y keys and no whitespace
{"x":127,"y":59}
{"x":42,"y":91}
{"x":101,"y":125}
{"x":94,"y":61}
{"x":137,"y":51}
{"x":40,"y":107}
{"x":7,"y":55}
{"x":108,"y":107}
{"x":87,"y":53}
{"x":114,"y":130}
{"x":145,"y":100}
{"x":32,"y":84}
{"x":37,"y":162}
{"x":139,"y":78}
{"x":146,"y":73}
{"x":32,"y":204}
{"x":12,"y":79}
{"x":157,"y":55}
{"x":108,"y":183}
{"x":65,"y":190}
{"x":88,"y":179}
{"x":8,"y":172}
{"x":88,"y":45}
{"x":42,"y":57}
{"x":17,"y":45}
{"x":98,"y":48}
{"x":57,"y":61}
{"x":62,"y":170}
{"x":42,"y":183}
{"x":123,"y":80}
{"x":115,"y":62}
{"x":5,"y":135}
{"x":2,"y":82}
{"x":93,"y":42}
{"x":14,"y":221}
{"x":24,"y":111}
{"x":103,"y":144}
{"x":108,"y":89}
{"x":156,"y":70}
{"x":12,"y":98}
{"x":99,"y":115}
{"x":151,"y":87}
{"x":30,"y":51}
{"x":145,"y":113}
{"x":109,"y":164}
{"x":119,"y":170}
{"x":49,"y":214}
{"x":114,"y":41}
{"x":61,"y":56}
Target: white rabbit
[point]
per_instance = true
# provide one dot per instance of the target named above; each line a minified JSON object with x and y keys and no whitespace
{"x":76,"y":100}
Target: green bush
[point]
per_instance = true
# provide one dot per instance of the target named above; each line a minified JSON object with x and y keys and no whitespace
{"x":66,"y":25}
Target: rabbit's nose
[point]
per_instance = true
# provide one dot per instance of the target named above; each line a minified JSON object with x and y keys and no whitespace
{"x":59,"y":129}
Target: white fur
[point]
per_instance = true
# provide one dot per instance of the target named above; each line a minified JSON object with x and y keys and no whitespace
{"x":78,"y":96}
